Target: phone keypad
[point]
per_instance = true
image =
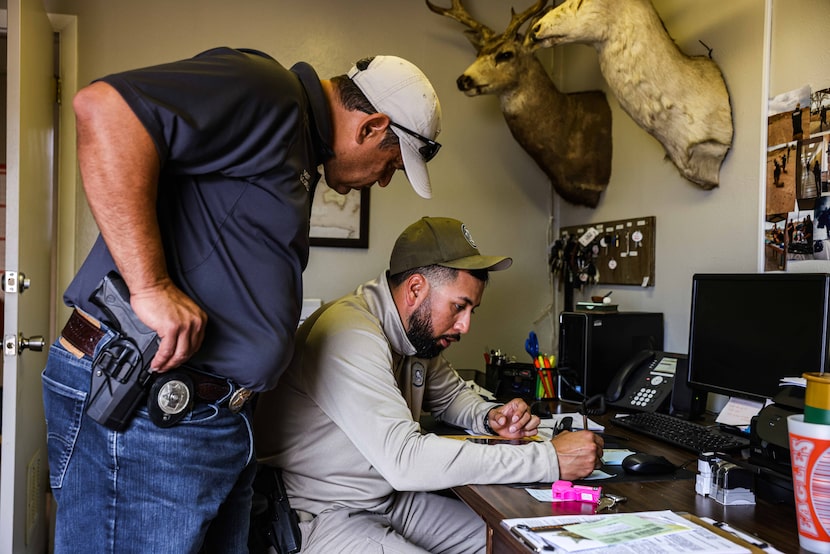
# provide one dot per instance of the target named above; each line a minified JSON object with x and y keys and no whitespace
{"x":643,"y":397}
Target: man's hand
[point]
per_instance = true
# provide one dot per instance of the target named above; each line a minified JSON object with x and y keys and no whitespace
{"x":513,"y":420}
{"x":579,"y":453}
{"x":179,"y":322}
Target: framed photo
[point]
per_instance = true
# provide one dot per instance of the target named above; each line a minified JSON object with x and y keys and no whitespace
{"x":340,"y":220}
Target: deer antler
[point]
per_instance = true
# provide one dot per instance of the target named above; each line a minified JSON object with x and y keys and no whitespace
{"x":517,"y":21}
{"x":477,"y":34}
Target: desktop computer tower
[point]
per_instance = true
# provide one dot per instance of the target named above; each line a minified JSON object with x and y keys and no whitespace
{"x":593,"y":347}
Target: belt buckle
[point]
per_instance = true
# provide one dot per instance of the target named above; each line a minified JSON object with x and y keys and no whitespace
{"x":238,"y":399}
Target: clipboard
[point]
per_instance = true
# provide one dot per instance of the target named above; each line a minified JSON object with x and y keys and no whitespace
{"x":536,"y":539}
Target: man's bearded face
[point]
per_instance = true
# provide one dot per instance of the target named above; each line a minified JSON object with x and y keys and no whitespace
{"x":420,"y":332}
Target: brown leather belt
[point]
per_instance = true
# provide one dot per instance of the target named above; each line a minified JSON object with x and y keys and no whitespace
{"x":84,"y":335}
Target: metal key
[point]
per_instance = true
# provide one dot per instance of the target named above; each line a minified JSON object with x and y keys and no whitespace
{"x":609,"y":500}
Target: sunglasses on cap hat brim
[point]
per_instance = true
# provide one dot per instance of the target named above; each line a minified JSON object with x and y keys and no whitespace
{"x":430,"y":147}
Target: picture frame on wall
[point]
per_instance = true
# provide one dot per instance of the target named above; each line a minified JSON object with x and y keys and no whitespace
{"x":339,"y":220}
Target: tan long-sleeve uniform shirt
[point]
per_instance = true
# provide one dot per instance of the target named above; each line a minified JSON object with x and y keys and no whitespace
{"x":343,"y":421}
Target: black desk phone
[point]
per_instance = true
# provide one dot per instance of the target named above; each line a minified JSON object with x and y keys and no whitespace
{"x":645,"y":382}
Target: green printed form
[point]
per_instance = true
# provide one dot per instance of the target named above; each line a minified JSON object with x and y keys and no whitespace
{"x":624,"y":528}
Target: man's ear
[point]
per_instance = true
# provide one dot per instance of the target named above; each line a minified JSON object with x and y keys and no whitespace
{"x":372,"y":127}
{"x":417,"y":289}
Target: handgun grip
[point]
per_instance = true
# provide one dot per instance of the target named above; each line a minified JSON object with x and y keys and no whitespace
{"x":113,"y":297}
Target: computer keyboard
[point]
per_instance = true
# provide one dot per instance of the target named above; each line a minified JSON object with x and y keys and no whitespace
{"x":680,"y":432}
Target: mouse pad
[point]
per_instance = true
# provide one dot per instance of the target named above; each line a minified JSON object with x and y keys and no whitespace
{"x":620,"y":476}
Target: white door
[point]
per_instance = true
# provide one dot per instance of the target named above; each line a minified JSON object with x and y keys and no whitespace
{"x":29,"y":238}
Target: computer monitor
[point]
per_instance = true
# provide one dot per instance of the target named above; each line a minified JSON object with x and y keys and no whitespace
{"x":747,"y":331}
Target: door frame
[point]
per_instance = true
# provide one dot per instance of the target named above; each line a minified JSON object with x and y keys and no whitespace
{"x":65,"y":197}
{"x":69,"y":197}
{"x":66,"y":183}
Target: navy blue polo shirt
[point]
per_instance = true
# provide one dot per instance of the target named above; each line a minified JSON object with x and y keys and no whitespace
{"x":240,"y":139}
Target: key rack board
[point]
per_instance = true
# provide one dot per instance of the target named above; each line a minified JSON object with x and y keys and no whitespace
{"x":622,"y":251}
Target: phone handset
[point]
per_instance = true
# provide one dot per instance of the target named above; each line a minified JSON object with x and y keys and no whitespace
{"x":616,"y":388}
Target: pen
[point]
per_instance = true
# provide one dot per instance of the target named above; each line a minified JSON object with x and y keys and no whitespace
{"x":751,"y":539}
{"x":540,"y":529}
{"x":543,"y":546}
{"x":543,"y":384}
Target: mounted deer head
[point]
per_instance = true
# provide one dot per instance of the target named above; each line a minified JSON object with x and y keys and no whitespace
{"x":568,"y":135}
{"x":680,"y":100}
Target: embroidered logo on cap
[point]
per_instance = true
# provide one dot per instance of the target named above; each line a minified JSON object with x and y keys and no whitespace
{"x":468,"y":236}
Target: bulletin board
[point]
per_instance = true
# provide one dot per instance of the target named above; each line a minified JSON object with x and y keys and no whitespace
{"x":797,"y":218}
{"x":612,"y":252}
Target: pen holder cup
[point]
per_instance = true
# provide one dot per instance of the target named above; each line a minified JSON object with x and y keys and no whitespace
{"x":817,"y":398}
{"x":810,"y":457}
{"x":545,"y":385}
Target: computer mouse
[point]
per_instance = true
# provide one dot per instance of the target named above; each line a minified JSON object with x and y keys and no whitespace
{"x":647,"y":464}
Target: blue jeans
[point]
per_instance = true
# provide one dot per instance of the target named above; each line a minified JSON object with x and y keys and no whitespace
{"x":144,"y":489}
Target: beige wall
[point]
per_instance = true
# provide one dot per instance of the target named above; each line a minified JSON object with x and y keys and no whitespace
{"x":482,"y":176}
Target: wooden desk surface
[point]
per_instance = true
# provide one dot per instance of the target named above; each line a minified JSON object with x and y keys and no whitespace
{"x":770,"y":522}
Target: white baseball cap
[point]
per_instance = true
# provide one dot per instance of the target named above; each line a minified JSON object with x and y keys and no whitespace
{"x":400,"y":90}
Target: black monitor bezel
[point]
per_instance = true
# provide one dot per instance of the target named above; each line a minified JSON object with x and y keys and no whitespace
{"x":692,"y":378}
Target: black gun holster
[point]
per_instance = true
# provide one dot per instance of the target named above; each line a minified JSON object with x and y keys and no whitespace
{"x":273,"y":523}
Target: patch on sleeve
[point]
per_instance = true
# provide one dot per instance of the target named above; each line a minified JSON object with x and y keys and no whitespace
{"x":418,"y":374}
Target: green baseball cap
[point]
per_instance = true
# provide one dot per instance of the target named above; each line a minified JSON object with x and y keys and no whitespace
{"x":440,"y":241}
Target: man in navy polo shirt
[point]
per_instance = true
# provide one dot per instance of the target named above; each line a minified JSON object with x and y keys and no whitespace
{"x":199,"y":174}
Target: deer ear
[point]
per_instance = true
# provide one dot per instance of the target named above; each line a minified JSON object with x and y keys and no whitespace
{"x":475,"y":39}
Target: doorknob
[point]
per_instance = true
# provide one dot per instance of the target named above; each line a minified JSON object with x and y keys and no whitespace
{"x":12,"y":346}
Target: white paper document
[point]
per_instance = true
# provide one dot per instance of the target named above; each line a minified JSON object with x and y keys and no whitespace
{"x":793,"y":381}
{"x":738,"y":412}
{"x":628,"y":533}
{"x":546,"y":494}
{"x":615,"y":456}
{"x":576,"y":423}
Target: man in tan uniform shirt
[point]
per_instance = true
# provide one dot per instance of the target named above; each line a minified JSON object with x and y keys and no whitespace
{"x":343,"y":422}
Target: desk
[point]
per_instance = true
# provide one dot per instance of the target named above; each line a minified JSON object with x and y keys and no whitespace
{"x":774,"y":523}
